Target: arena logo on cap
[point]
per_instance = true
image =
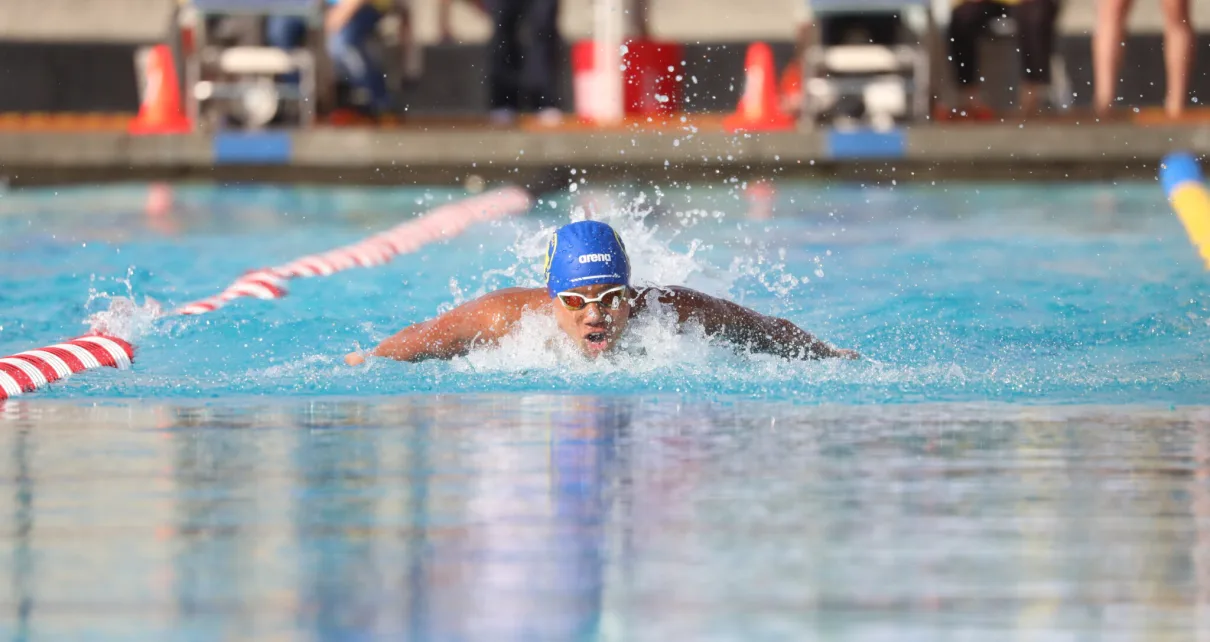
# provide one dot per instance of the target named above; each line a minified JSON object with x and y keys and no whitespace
{"x":595,"y":258}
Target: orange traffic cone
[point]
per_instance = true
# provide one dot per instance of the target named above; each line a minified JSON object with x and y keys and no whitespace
{"x":161,"y":111}
{"x":758,"y":109}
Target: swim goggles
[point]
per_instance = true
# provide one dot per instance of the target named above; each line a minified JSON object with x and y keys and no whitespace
{"x":611,"y":299}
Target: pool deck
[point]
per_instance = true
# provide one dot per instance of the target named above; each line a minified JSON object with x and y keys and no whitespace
{"x":447,"y":153}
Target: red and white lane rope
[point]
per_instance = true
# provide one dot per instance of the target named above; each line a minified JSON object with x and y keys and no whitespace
{"x":33,"y":369}
{"x":29,"y":371}
{"x":446,"y":221}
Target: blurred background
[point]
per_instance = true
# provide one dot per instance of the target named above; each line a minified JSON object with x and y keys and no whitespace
{"x":251,"y":64}
{"x":1051,"y":485}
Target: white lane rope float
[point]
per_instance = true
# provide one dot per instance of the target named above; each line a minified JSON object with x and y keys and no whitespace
{"x":34,"y":369}
{"x":445,"y":221}
{"x":28,"y":371}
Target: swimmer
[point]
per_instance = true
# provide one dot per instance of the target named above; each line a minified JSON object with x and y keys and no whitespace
{"x":588,"y":292}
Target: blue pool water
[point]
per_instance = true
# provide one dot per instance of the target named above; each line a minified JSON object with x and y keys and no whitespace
{"x":1086,"y":294}
{"x":1023,"y":452}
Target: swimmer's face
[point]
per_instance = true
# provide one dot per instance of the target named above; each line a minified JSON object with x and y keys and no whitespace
{"x":596,"y":327}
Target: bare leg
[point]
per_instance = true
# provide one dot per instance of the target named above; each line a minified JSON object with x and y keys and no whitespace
{"x":1036,"y":42}
{"x":413,"y":61}
{"x":1178,"y":54}
{"x":792,"y":103}
{"x":443,"y":21}
{"x":967,"y":22}
{"x":1107,"y":52}
{"x":641,"y":19}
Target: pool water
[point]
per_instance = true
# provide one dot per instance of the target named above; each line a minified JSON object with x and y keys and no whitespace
{"x":1020,"y":452}
{"x":1038,"y":294}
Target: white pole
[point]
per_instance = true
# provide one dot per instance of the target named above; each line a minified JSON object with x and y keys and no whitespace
{"x":608,"y":26}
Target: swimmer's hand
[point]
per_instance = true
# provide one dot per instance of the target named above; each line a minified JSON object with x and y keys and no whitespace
{"x":355,"y":358}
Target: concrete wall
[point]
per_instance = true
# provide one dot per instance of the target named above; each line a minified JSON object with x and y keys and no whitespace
{"x":88,"y":21}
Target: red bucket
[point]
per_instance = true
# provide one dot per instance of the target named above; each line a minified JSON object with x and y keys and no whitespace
{"x":651,"y":80}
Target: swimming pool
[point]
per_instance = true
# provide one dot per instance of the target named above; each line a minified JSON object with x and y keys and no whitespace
{"x":1022,"y":450}
{"x":1087,"y":294}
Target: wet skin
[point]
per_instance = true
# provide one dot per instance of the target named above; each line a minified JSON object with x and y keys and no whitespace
{"x":596,"y":329}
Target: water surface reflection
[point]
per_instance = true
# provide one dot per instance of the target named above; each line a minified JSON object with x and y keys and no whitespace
{"x":529,"y":517}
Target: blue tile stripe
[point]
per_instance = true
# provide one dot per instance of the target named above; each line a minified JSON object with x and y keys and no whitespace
{"x":866,"y":144}
{"x":258,"y":148}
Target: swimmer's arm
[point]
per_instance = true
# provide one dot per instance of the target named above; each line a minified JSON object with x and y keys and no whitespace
{"x":450,"y":335}
{"x":746,"y":327}
{"x":434,"y":339}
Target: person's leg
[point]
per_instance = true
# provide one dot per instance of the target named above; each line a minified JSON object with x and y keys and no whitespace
{"x":444,"y":32}
{"x":1036,"y":40}
{"x":967,"y":22}
{"x":538,"y":81}
{"x":1178,"y":54}
{"x":286,"y":32}
{"x":792,"y":96}
{"x":352,"y":60}
{"x":410,"y":48}
{"x":504,"y":55}
{"x":1107,"y":52}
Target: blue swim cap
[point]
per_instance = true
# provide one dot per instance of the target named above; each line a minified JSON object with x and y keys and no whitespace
{"x":585,"y":253}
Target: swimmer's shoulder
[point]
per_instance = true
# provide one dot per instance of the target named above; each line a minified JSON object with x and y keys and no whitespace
{"x":493,"y":314}
{"x":665,"y":294}
{"x":531,"y":298}
{"x":684,"y":301}
{"x":511,"y":303}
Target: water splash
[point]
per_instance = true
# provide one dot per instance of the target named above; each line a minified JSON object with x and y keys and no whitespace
{"x":770,"y":273}
{"x":664,"y":249}
{"x":123,"y":317}
{"x":126,"y":319}
{"x":654,"y":346}
{"x":651,"y":237}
